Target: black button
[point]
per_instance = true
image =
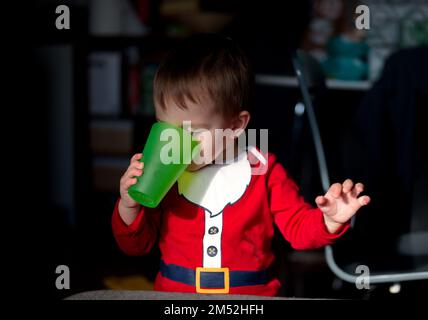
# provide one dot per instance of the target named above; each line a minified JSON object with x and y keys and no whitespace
{"x":212,"y":251}
{"x":213,"y":230}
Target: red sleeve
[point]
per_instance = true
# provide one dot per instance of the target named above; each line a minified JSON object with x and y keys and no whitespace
{"x":139,"y":237}
{"x":301,"y":224}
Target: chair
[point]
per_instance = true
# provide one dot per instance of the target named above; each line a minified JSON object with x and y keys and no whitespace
{"x":407,"y":260}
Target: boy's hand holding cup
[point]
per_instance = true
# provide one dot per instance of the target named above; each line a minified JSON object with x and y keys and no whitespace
{"x":160,"y":174}
{"x":128,"y":207}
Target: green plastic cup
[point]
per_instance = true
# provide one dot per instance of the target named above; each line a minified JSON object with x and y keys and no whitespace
{"x":167,"y":153}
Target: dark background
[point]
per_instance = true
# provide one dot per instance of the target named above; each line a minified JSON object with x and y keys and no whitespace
{"x":78,"y":154}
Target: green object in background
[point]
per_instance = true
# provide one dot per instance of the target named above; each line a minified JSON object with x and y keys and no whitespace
{"x":346,"y":59}
{"x":414,"y":33}
{"x":344,"y":68}
{"x":159,"y":173}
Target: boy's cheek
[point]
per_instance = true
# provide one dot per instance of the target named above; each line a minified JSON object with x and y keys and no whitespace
{"x":210,"y":148}
{"x":206,"y":147}
{"x":204,"y":156}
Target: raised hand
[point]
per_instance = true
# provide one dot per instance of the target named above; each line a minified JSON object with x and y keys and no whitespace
{"x":340,"y":203}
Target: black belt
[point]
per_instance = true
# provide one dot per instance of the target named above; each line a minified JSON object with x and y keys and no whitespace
{"x":213,"y":280}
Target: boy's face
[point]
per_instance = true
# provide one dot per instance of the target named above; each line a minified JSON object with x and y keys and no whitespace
{"x":204,"y":120}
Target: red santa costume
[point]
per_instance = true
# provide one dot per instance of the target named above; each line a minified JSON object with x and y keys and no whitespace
{"x":216,"y":224}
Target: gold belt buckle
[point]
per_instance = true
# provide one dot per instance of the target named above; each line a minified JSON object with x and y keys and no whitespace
{"x":212,"y":290}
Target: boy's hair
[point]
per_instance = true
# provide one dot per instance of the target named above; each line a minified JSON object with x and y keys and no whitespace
{"x":206,"y":66}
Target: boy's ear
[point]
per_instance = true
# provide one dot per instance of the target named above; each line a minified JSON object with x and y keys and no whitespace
{"x":241,"y":122}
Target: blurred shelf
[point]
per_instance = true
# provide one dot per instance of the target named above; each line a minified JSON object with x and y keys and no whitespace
{"x":112,"y":137}
{"x":146,"y":42}
{"x":107,"y":172}
{"x":291,"y":82}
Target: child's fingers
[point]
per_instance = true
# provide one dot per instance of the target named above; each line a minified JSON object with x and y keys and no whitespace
{"x":359,"y":187}
{"x":335,"y":190}
{"x":347,"y":186}
{"x":129,"y":183}
{"x":130,"y":173}
{"x":132,"y":167}
{"x":136,"y":165}
{"x":364,"y":200}
{"x":134,"y":173}
{"x":136,"y":157}
{"x":321,"y":201}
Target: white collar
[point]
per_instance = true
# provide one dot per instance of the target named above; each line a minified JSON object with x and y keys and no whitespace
{"x":215,"y":186}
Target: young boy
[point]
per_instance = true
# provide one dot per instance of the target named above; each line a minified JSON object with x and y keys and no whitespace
{"x":216,"y":224}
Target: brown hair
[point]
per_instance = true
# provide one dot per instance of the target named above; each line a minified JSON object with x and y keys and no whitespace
{"x":206,"y":66}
